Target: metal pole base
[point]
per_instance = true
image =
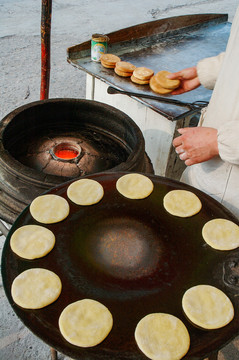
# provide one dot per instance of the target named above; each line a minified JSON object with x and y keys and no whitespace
{"x":213,"y":356}
{"x":53,"y":354}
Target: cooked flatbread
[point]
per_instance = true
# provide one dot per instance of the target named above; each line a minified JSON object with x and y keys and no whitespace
{"x":36,"y":288}
{"x":154,"y":85}
{"x":162,"y":337}
{"x":221,"y":234}
{"x":107,"y":65}
{"x":134,"y":186}
{"x":138,"y":81}
{"x":48,"y":209}
{"x":207,"y":307}
{"x":85,"y":323}
{"x":85,"y":192}
{"x":143,"y":73}
{"x":109,"y":59}
{"x":161,"y":78}
{"x":32,"y":241}
{"x":122,"y":73}
{"x":125,"y":66}
{"x":182,"y":203}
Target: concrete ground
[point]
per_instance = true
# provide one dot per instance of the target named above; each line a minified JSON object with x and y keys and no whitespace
{"x":72,"y":23}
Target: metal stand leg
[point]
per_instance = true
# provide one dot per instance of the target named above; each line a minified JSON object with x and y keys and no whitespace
{"x":213,"y":356}
{"x":3,"y":228}
{"x":53,"y":354}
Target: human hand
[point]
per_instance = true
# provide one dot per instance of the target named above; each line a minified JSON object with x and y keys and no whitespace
{"x":188,"y":80}
{"x":196,"y":144}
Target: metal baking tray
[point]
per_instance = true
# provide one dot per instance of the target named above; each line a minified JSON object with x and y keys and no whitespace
{"x":167,"y":44}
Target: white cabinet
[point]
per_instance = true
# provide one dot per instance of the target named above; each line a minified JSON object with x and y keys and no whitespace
{"x":157,"y":130}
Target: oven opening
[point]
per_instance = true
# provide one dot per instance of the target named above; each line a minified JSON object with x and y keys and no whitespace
{"x":65,"y":152}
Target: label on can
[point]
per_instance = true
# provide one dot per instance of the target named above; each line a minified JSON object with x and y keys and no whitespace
{"x":99,"y":44}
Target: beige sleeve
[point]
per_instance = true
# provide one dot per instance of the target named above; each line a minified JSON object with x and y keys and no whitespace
{"x":228,"y":135}
{"x":208,"y":70}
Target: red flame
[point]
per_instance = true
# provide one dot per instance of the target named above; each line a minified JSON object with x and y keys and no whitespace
{"x":66,"y":154}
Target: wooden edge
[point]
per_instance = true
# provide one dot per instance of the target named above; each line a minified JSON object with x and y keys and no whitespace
{"x":151,"y":28}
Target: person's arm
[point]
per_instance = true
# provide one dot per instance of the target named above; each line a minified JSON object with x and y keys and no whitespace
{"x":208,"y":70}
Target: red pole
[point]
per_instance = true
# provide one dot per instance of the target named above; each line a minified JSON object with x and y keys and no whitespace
{"x":45,"y":48}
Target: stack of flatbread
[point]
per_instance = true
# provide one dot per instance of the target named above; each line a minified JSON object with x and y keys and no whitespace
{"x":124,"y":68}
{"x":160,"y":83}
{"x":109,"y":60}
{"x":142,"y":75}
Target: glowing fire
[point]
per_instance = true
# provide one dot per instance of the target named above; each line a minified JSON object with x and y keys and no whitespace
{"x":66,"y":154}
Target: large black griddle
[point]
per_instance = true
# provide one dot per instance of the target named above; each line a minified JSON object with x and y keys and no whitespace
{"x":136,"y":259}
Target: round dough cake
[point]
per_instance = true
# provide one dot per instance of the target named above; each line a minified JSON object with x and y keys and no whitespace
{"x":109,"y":59}
{"x":106,"y":65}
{"x":138,"y":81}
{"x":122,"y":73}
{"x":221,"y":234}
{"x":182,"y":203}
{"x":154,"y":85}
{"x":36,"y":288}
{"x":125,"y":66}
{"x":162,"y":336}
{"x":134,"y":186}
{"x":85,"y":192}
{"x":161,"y":78}
{"x":85,"y":323}
{"x":32,"y":241}
{"x":207,"y":307}
{"x":48,"y":209}
{"x":143,"y":73}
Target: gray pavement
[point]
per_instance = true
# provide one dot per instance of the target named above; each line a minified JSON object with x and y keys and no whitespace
{"x":72,"y":23}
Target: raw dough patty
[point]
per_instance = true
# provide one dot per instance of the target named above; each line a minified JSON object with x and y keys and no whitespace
{"x":221,"y":234}
{"x":85,"y":323}
{"x":32,"y":241}
{"x":162,"y":337}
{"x":182,"y":203}
{"x":207,"y":307}
{"x":36,"y":288}
{"x":85,"y":192}
{"x":48,"y":209}
{"x":134,"y":186}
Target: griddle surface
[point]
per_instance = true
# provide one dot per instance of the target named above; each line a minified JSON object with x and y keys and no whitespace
{"x":136,"y":259}
{"x":174,"y":46}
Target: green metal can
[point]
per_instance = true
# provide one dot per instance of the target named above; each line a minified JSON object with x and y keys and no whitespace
{"x":99,"y":43}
